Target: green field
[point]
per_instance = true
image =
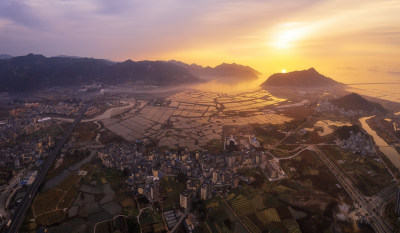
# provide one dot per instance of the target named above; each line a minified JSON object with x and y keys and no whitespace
{"x":218,"y":221}
{"x":68,"y":160}
{"x":149,"y":216}
{"x":114,"y":177}
{"x":51,"y":218}
{"x":258,"y":209}
{"x":390,"y":216}
{"x":48,"y":206}
{"x":170,"y":189}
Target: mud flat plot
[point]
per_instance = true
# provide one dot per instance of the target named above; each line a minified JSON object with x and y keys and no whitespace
{"x":194,"y":118}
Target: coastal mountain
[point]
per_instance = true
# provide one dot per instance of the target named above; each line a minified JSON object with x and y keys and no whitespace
{"x":304,"y":79}
{"x":356,"y":102}
{"x":34,"y":72}
{"x":223,"y":72}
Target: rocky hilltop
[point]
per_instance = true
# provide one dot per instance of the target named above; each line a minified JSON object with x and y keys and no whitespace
{"x":356,"y":102}
{"x":305,"y":79}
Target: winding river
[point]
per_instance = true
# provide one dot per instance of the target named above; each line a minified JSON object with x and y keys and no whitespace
{"x":106,"y":115}
{"x":385,"y":148}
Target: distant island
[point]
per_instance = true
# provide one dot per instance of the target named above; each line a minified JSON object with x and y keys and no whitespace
{"x":303,"y":79}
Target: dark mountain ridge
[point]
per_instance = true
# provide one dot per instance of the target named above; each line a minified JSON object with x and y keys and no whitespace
{"x":305,"y":79}
{"x":34,"y":72}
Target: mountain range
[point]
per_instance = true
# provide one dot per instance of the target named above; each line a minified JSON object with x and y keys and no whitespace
{"x":224,"y":72}
{"x":35,"y":72}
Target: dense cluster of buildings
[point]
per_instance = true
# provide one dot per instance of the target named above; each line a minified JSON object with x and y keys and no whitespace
{"x":207,"y":174}
{"x":145,"y":167}
{"x":357,"y":143}
{"x":21,"y":124}
{"x":64,"y":109}
{"x":26,"y":153}
{"x":29,"y":149}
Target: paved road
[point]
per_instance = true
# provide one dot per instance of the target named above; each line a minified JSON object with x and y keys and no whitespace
{"x":117,"y":216}
{"x":7,"y":193}
{"x":20,"y":212}
{"x":140,"y":212}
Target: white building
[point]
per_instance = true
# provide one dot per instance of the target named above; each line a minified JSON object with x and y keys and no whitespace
{"x":183,"y":200}
{"x":203,"y":193}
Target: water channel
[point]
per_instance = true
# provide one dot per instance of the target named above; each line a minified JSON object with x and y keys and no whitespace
{"x":385,"y":148}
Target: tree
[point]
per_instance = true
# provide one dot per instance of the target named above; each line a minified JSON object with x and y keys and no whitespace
{"x":181,"y":178}
{"x":126,"y":172}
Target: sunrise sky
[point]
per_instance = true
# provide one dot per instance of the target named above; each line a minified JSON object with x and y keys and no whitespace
{"x":347,"y":40}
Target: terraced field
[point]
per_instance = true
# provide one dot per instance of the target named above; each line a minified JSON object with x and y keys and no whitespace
{"x":271,"y":215}
{"x":243,"y":206}
{"x":259,"y":214}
